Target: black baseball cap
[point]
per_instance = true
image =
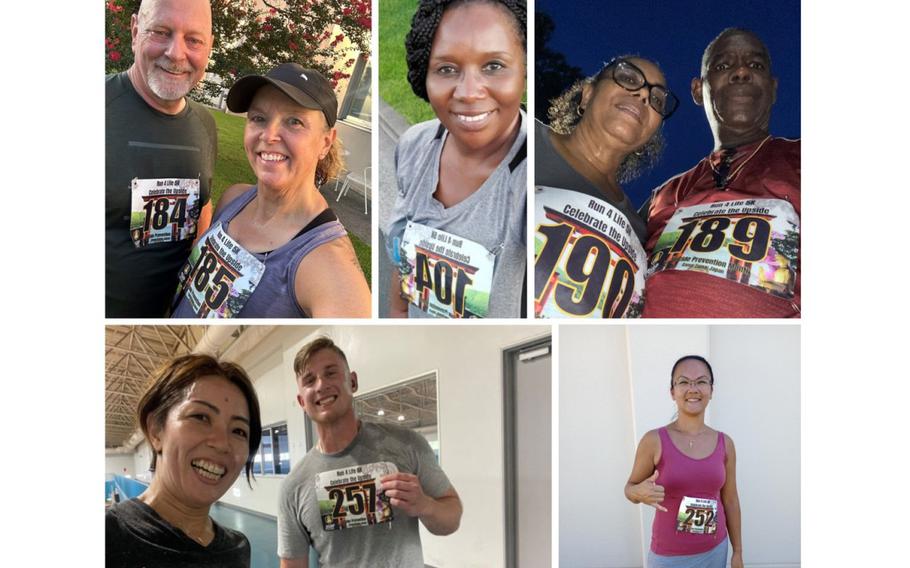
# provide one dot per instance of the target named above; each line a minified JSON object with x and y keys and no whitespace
{"x":307,"y":87}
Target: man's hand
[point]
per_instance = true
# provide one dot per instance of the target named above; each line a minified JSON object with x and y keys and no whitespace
{"x":405,"y":493}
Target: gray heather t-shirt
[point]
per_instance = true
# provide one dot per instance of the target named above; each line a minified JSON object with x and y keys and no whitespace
{"x":394,"y":543}
{"x":551,"y":170}
{"x":493,"y":216}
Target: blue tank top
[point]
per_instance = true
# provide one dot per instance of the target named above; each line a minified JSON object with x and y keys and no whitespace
{"x":274,"y":296}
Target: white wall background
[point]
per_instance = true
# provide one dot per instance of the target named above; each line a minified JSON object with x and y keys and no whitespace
{"x":469,"y":364}
{"x":614,"y":387}
{"x":115,"y":465}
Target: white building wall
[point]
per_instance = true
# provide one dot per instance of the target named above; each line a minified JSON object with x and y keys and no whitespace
{"x":119,"y":464}
{"x":469,"y":364}
{"x":614,"y":387}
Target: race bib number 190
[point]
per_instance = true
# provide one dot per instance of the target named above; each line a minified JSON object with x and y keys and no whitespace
{"x":163,"y":210}
{"x":754,"y":242}
{"x":588,"y":261}
{"x":353,"y":497}
{"x":448,"y":276}
{"x":697,"y":516}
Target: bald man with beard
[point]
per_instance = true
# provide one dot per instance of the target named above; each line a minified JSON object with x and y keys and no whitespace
{"x":160,"y":157}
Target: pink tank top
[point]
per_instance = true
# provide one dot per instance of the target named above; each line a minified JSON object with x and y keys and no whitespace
{"x":695,"y":520}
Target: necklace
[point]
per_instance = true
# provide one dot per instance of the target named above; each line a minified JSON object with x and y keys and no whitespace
{"x":691,"y":437}
{"x":722,"y":179}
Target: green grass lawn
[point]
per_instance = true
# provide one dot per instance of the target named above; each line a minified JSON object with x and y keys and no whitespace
{"x":394,"y":24}
{"x":232,"y":167}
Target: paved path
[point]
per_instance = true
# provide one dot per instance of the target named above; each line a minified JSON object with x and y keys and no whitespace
{"x":391,"y":127}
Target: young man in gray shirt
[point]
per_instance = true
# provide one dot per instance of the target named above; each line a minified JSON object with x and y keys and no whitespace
{"x":357,"y":495}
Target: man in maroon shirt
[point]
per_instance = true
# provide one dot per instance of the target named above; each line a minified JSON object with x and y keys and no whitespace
{"x":724,"y":237}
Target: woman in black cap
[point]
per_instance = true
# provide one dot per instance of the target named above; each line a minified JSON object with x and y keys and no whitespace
{"x":275,"y":249}
{"x":457,"y":232}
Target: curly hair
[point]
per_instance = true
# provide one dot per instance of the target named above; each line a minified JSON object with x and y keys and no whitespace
{"x":419,"y":40}
{"x":564,"y":117}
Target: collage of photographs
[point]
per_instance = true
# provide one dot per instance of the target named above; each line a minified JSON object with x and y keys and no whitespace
{"x":332,"y":169}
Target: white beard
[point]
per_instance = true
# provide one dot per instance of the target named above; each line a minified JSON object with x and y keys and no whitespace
{"x":166,"y":86}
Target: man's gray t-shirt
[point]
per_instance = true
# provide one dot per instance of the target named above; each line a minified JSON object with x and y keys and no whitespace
{"x":493,"y":216}
{"x":551,"y":170}
{"x":390,"y":544}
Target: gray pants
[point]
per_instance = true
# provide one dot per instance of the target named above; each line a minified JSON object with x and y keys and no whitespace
{"x":714,"y":558}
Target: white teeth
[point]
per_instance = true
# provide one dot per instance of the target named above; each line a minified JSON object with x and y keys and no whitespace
{"x":322,"y":401}
{"x":475,"y":118}
{"x":272,"y":157}
{"x":208,"y":469}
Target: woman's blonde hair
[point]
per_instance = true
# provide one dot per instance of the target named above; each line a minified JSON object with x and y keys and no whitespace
{"x":328,"y":168}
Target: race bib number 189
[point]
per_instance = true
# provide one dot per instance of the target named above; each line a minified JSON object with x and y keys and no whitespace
{"x":448,"y":276}
{"x":163,"y":210}
{"x":353,"y":497}
{"x":588,"y":261}
{"x":697,"y":516}
{"x":754,"y":242}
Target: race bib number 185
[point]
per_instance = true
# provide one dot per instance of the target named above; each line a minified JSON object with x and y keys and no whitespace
{"x":353,"y":497}
{"x":588,"y":261}
{"x":163,"y":210}
{"x":219,"y":276}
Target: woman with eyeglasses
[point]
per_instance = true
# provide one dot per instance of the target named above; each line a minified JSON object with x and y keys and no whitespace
{"x":686,"y":470}
{"x":604,"y":131}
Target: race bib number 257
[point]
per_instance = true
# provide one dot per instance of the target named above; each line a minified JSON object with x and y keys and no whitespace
{"x":353,"y":497}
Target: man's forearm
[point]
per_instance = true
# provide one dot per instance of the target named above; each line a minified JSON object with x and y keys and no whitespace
{"x":443,"y":515}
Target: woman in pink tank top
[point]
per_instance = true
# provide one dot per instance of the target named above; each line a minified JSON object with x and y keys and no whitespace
{"x":687,"y":472}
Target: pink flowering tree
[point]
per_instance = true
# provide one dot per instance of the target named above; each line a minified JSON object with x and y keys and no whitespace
{"x":252,"y":39}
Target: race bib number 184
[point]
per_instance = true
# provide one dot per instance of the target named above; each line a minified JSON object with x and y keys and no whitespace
{"x":163,"y":210}
{"x":353,"y":497}
{"x":588,"y":261}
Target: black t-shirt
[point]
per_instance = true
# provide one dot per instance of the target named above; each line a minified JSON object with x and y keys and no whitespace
{"x":142,"y":143}
{"x":550,"y":169}
{"x":136,"y":537}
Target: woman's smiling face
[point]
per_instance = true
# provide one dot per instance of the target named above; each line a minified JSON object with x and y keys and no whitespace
{"x":476,"y":74}
{"x":692,"y":386}
{"x":284,"y":141}
{"x":618,"y":114}
{"x":204,"y":442}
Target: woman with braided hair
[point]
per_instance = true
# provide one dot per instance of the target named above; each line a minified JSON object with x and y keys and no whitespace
{"x":604,"y":130}
{"x":457,"y":231}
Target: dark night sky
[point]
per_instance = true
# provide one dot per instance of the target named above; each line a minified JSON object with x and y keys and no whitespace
{"x":675,"y":34}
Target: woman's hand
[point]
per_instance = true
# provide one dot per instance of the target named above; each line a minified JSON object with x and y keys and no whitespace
{"x":737,"y":560}
{"x":649,"y":492}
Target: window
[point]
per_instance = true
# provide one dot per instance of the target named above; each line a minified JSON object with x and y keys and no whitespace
{"x":274,"y":457}
{"x":358,"y":101}
{"x":411,"y":403}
